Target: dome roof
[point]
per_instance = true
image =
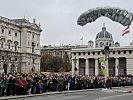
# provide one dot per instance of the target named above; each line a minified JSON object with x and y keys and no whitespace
{"x":104,"y":34}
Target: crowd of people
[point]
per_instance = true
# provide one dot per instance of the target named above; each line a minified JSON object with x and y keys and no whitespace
{"x":33,"y":83}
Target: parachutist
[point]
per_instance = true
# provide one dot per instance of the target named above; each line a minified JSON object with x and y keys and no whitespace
{"x":115,"y":14}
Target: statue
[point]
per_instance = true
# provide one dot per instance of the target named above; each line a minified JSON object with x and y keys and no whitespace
{"x":106,"y":51}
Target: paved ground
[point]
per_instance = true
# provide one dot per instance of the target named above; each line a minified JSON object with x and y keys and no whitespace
{"x":98,"y":94}
{"x":118,"y":97}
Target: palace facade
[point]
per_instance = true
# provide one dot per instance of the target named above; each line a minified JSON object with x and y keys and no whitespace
{"x":19,"y":45}
{"x":86,"y":62}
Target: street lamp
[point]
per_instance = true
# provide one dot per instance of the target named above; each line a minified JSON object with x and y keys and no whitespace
{"x":75,"y":68}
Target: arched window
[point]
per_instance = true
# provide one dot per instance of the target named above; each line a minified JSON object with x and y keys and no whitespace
{"x":101,"y":44}
{"x":33,"y":47}
{"x":9,"y":32}
{"x":2,"y":31}
{"x":16,"y":33}
{"x":2,"y":43}
{"x":9,"y":45}
{"x":16,"y":46}
{"x":33,"y":36}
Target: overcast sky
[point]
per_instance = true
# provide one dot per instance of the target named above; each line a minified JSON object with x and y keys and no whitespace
{"x":58,"y":19}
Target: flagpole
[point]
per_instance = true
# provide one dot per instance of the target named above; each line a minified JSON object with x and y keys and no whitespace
{"x":129,"y":39}
{"x":126,"y":31}
{"x":81,"y":40}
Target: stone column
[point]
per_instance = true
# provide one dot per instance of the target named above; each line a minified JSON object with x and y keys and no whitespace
{"x":116,"y":66}
{"x":77,"y":65}
{"x":96,"y":66}
{"x":73,"y":65}
{"x":87,"y":67}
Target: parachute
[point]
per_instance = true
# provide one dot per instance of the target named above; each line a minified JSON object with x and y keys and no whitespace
{"x":115,"y":14}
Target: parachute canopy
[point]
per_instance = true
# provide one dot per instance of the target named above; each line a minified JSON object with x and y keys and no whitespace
{"x":115,"y":14}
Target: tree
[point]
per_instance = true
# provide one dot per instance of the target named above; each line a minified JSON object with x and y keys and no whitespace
{"x":46,"y":62}
{"x":66,"y":62}
{"x":55,"y":63}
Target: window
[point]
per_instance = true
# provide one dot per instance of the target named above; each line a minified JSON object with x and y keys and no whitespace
{"x":15,"y":45}
{"x":93,"y":53}
{"x":15,"y":49}
{"x":79,"y":53}
{"x":88,"y":53}
{"x":10,"y":59}
{"x":16,"y":33}
{"x":98,"y":53}
{"x":2,"y":44}
{"x":101,"y":44}
{"x":113,"y":52}
{"x":74,"y":53}
{"x":2,"y":31}
{"x":9,"y":33}
{"x":33,"y":45}
{"x":130,"y":51}
{"x":33,"y":36}
{"x":119,"y":52}
{"x":9,"y":45}
{"x":16,"y":59}
{"x":124,"y":52}
{"x":33,"y":61}
{"x":83,"y":53}
{"x":3,"y":58}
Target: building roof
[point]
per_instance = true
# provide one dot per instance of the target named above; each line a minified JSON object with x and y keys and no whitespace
{"x":104,"y":34}
{"x":23,"y":20}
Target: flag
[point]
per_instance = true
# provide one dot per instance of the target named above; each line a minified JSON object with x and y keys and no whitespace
{"x":103,"y":67}
{"x":125,"y":31}
{"x":81,"y":38}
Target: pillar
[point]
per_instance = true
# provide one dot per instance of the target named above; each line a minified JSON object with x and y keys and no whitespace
{"x":116,"y":66}
{"x":77,"y":65}
{"x":73,"y":65}
{"x":87,"y":67}
{"x":96,"y":66}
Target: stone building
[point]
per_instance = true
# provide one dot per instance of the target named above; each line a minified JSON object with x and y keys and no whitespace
{"x":19,"y":45}
{"x":86,"y":59}
{"x":59,"y":50}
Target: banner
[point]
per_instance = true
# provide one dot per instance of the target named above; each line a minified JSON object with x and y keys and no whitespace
{"x":103,"y":67}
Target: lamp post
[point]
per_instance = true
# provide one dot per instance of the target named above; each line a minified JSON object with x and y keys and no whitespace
{"x":75,"y":68}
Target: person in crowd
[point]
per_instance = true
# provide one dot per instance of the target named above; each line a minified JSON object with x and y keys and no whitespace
{"x":36,"y":83}
{"x":60,"y":82}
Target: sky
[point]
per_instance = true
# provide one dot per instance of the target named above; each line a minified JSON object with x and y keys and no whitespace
{"x":58,"y":19}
